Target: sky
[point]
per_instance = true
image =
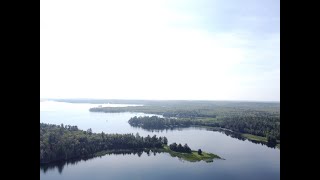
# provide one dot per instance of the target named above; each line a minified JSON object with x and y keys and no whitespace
{"x":160,"y":49}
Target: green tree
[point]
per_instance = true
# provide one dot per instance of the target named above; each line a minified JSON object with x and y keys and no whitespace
{"x":173,"y":146}
{"x":272,"y":141}
{"x":102,"y":135}
{"x":180,"y":148}
{"x":89,"y":131}
{"x":165,"y":140}
{"x":186,"y":148}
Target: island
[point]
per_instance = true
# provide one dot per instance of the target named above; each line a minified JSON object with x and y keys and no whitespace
{"x":191,"y":156}
{"x":64,"y":142}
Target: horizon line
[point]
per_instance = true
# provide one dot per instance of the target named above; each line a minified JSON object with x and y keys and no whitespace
{"x":160,"y":99}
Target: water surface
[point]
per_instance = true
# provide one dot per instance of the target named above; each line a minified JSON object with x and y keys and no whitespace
{"x":244,"y":160}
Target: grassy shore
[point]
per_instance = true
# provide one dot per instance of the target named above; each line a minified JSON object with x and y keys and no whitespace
{"x":259,"y":138}
{"x":192,"y":157}
{"x":255,"y":138}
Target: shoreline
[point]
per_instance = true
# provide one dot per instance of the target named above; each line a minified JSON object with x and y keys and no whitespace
{"x":191,"y":157}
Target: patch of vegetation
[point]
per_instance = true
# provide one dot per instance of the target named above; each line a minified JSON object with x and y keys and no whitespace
{"x":255,"y":138}
{"x":193,"y":156}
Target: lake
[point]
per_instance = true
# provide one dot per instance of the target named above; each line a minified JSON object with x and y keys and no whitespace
{"x":244,"y":160}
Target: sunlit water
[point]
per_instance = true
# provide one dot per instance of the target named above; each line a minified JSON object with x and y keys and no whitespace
{"x":244,"y":160}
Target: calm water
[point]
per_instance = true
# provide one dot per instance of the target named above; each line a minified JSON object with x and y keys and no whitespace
{"x":244,"y":160}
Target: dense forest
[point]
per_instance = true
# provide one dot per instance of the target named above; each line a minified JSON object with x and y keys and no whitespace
{"x":59,"y":142}
{"x":272,"y":143}
{"x":256,"y":118}
{"x":261,"y":126}
{"x":192,"y":108}
{"x":257,"y":125}
{"x":155,"y":122}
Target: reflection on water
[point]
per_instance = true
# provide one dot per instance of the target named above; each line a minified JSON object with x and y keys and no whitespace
{"x":60,"y":164}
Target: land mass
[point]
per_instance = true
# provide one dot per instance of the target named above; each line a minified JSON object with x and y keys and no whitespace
{"x":257,"y":121}
{"x":62,"y":143}
{"x":194,"y":156}
{"x":158,"y":123}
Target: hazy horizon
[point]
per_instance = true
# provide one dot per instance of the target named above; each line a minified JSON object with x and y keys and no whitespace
{"x":210,"y":50}
{"x":156,"y":99}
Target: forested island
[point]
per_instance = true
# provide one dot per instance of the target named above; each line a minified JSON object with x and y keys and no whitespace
{"x":257,"y":121}
{"x":61,"y":143}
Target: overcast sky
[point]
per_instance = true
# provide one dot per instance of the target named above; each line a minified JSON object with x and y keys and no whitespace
{"x":157,"y":49}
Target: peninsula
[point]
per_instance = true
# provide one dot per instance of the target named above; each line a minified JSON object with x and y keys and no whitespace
{"x":61,"y":143}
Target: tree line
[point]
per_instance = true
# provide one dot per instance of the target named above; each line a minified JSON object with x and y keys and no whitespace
{"x":257,"y":125}
{"x":181,"y":112}
{"x":193,"y":109}
{"x":179,"y":148}
{"x":59,"y":142}
{"x":155,"y":122}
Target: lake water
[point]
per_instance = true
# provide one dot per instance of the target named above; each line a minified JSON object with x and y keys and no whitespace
{"x":244,"y":160}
